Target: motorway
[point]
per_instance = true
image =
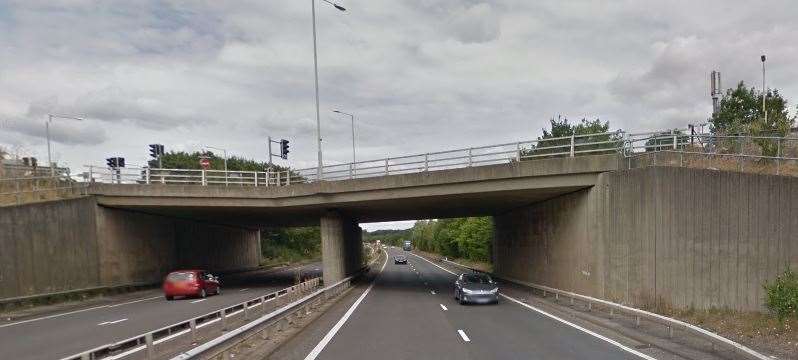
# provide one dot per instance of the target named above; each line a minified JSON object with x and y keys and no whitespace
{"x":62,"y":334}
{"x":409,"y":313}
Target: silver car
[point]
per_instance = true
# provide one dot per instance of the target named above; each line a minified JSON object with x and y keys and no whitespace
{"x":476,"y":288}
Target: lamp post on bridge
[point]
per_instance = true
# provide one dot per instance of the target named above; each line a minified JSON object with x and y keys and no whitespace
{"x":319,"y":171}
{"x":352,"y":117}
{"x":224,"y":151}
{"x":50,"y":118}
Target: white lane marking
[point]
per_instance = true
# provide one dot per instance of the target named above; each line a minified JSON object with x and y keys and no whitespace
{"x":74,"y":312}
{"x":463,"y":335}
{"x":443,"y":307}
{"x":613,"y":342}
{"x":327,"y":338}
{"x":244,"y":289}
{"x":135,"y":301}
{"x":111,"y":322}
{"x":198,"y":301}
{"x":432,"y":292}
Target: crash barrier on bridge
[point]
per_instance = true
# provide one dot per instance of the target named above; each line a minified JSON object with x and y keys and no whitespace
{"x":629,"y":145}
{"x":716,"y":341}
{"x":147,"y":342}
{"x":266,"y":326}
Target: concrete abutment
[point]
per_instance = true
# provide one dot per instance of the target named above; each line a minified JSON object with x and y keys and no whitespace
{"x":65,"y":245}
{"x":659,"y":236}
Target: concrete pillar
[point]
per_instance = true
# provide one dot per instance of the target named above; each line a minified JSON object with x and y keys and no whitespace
{"x":332,"y":247}
{"x":341,"y":246}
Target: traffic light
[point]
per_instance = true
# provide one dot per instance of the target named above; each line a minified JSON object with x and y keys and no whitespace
{"x":284,"y":149}
{"x":156,"y":150}
{"x":115,"y":162}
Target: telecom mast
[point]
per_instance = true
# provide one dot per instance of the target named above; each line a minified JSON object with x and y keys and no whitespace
{"x":715,"y":92}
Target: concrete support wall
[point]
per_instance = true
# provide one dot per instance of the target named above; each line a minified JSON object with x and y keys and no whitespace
{"x":48,"y":247}
{"x":669,"y":237}
{"x":341,"y":246}
{"x":74,"y":244}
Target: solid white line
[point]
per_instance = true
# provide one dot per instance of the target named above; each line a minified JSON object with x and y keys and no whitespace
{"x":443,"y":307}
{"x":463,"y":335}
{"x":198,"y":301}
{"x":244,"y":289}
{"x":327,"y":338}
{"x":111,"y":322}
{"x":613,"y":342}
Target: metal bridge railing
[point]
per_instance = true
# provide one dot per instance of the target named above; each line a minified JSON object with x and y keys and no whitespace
{"x":629,"y":145}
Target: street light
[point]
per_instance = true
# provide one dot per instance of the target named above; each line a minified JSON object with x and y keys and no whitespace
{"x":353,"y":133}
{"x":50,"y":118}
{"x":316,"y":70}
{"x":764,"y":90}
{"x":224,"y":151}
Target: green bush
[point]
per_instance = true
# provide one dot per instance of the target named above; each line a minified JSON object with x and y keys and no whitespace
{"x":782,"y":295}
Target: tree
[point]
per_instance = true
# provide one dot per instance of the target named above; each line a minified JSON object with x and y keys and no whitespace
{"x":558,"y":143}
{"x":740,"y":112}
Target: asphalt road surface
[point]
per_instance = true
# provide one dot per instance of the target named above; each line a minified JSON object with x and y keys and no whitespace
{"x":410,"y":313}
{"x":63,"y":334}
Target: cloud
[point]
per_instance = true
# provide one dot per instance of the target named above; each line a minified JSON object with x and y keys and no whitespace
{"x":420,"y":75}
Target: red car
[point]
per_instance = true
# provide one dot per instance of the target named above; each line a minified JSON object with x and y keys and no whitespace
{"x":190,"y":283}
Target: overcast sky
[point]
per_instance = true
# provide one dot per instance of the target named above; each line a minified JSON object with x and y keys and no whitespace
{"x":420,"y":75}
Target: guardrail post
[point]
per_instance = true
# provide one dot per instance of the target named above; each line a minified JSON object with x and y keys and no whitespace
{"x":670,"y":331}
{"x":778,"y":156}
{"x":637,"y":321}
{"x":204,"y":178}
{"x":674,"y":139}
{"x":288,"y":177}
{"x":18,"y":194}
{"x":350,"y":171}
{"x":223,"y":316}
{"x":246,"y":311}
{"x":149,"y":346}
{"x":470,"y":157}
{"x":278,"y":179}
{"x":590,"y":306}
{"x":557,"y":297}
{"x":612,"y":312}
{"x":426,"y":162}
{"x":518,"y":152}
{"x":256,"y":178}
{"x":573,"y":145}
{"x":386,"y":166}
{"x":147,"y":174}
{"x":193,"y":325}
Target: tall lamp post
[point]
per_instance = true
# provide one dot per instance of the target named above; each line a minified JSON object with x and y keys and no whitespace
{"x":352,"y":117}
{"x":50,"y":118}
{"x":316,"y":69}
{"x":224,"y":151}
{"x":764,"y":90}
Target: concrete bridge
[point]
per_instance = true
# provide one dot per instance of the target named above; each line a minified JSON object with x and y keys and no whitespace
{"x":595,"y":225}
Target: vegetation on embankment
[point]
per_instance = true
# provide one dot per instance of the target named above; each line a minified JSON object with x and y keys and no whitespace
{"x":468,"y":239}
{"x":281,"y":246}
